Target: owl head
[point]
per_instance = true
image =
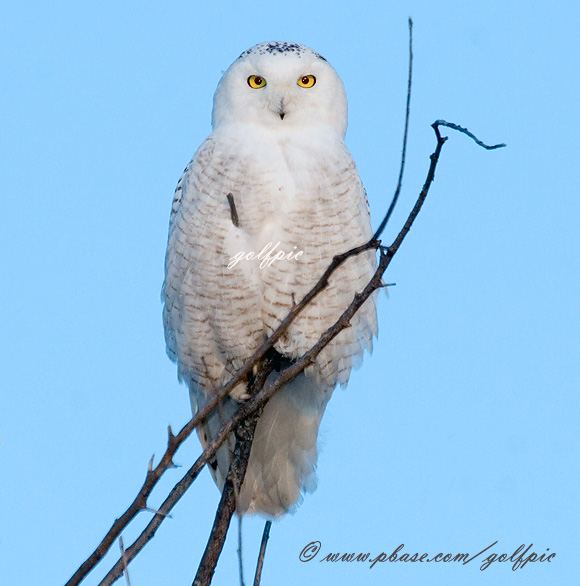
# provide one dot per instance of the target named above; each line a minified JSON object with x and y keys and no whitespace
{"x":281,"y":86}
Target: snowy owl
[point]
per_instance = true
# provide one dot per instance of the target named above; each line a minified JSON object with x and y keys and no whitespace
{"x":266,"y":202}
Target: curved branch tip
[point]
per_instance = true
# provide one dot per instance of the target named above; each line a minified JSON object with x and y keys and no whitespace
{"x":454,"y":126}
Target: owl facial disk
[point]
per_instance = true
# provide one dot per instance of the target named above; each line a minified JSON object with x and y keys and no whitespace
{"x":281,"y":86}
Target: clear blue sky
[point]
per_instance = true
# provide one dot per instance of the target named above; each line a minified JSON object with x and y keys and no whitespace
{"x":460,"y":430}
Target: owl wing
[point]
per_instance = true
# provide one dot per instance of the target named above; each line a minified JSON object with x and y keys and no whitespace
{"x":211,"y":310}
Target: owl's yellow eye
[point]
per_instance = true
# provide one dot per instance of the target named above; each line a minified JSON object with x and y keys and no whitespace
{"x":307,"y":81}
{"x":256,"y":82}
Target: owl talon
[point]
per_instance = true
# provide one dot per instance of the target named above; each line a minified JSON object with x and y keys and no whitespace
{"x":240,"y":393}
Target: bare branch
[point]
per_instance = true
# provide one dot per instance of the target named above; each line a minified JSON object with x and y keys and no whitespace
{"x":244,"y":434}
{"x":265,"y":537}
{"x":175,"y":441}
{"x":286,"y":375}
{"x":465,"y":131}
{"x":404,"y":150}
{"x":240,"y":551}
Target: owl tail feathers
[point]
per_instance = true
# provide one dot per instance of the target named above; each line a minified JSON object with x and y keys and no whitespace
{"x":282,"y":462}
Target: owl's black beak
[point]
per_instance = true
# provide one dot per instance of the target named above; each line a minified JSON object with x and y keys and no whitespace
{"x":282,"y":107}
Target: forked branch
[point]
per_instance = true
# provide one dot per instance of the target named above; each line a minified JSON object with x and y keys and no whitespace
{"x":386,"y":255}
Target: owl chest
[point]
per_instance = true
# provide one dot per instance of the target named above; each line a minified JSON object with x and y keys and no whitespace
{"x":281,"y":183}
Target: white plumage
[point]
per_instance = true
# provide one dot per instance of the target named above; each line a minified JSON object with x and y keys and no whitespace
{"x":277,"y":150}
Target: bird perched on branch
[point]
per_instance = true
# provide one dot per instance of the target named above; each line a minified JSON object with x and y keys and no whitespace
{"x":269,"y":198}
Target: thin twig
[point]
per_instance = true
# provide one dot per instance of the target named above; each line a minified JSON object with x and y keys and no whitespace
{"x":155,"y":511}
{"x":124,"y":559}
{"x":233,"y":210}
{"x":265,"y":537}
{"x":240,"y":556}
{"x":465,"y":131}
{"x":405,"y":134}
